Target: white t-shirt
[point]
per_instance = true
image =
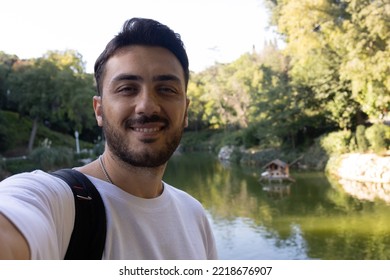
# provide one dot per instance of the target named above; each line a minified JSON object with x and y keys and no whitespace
{"x":171,"y":226}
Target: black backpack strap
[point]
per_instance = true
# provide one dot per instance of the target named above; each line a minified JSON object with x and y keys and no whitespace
{"x":89,"y":233}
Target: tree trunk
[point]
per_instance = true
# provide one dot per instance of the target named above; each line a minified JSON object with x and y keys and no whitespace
{"x":32,"y":135}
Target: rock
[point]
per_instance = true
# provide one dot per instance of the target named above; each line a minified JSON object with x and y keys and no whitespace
{"x":365,"y":168}
{"x":225,"y":153}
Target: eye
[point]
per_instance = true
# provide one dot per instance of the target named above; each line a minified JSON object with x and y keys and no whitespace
{"x":167,"y":90}
{"x":128,"y":89}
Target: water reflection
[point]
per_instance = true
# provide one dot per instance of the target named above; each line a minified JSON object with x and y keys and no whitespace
{"x":241,"y":239}
{"x":277,"y":190}
{"x":366,"y":190}
{"x":313,"y":218}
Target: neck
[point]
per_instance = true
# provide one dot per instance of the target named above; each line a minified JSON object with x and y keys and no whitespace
{"x":139,"y":181}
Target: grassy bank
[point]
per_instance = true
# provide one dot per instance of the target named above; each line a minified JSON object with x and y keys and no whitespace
{"x":15,"y":132}
{"x":52,"y":149}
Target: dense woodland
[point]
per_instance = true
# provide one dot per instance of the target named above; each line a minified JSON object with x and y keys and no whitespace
{"x":331,"y":76}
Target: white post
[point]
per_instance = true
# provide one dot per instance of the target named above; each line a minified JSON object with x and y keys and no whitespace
{"x":76,"y":135}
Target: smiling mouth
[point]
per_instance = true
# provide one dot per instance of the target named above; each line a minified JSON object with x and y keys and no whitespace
{"x":147,"y":125}
{"x":146,"y":130}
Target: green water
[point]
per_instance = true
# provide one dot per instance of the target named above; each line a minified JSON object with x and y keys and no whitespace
{"x":312,"y":218}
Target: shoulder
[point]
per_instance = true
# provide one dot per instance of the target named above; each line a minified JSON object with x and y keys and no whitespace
{"x":36,"y":193}
{"x":183,"y":198}
{"x":38,"y":182}
{"x":37,"y":175}
{"x":48,"y":202}
{"x":174,"y":191}
{"x":37,"y":188}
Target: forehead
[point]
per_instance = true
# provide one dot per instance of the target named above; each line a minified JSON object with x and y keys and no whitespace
{"x":144,"y":61}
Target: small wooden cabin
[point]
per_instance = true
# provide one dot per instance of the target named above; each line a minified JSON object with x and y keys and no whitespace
{"x":276,"y":170}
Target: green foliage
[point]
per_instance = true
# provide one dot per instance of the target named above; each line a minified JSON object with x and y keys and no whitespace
{"x":316,"y":157}
{"x":378,"y":136}
{"x":17,"y":129}
{"x":255,"y":95}
{"x":197,"y":116}
{"x":203,"y":140}
{"x":98,"y":148}
{"x":365,"y":40}
{"x":6,"y":63}
{"x":361,"y":139}
{"x":3,"y":134}
{"x":261,"y":157}
{"x":334,"y":67}
{"x":2,"y":168}
{"x":231,"y":138}
{"x":53,"y":89}
{"x":339,"y":50}
{"x":48,"y":158}
{"x":32,"y":88}
{"x":249,"y":136}
{"x":234,"y":95}
{"x":336,"y":142}
{"x":352,"y":147}
{"x":45,"y":157}
{"x":18,"y":165}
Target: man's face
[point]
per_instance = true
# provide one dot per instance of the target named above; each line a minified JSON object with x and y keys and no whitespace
{"x":143,"y":108}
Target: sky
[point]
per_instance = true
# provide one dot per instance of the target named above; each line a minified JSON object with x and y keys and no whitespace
{"x":212,"y":30}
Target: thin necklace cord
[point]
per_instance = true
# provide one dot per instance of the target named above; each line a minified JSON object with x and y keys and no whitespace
{"x":104,"y":170}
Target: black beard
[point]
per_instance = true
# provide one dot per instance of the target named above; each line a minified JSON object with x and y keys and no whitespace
{"x":117,"y":144}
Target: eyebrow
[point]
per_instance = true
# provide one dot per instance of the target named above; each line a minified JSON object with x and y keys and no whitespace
{"x":162,"y":78}
{"x":127,"y":77}
{"x":158,"y":78}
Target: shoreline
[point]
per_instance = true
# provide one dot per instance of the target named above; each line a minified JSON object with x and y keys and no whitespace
{"x":367,"y":168}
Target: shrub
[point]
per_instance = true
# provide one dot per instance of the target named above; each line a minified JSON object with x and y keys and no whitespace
{"x":47,"y":158}
{"x":336,"y":142}
{"x":249,"y":137}
{"x":98,"y":149}
{"x":3,"y":134}
{"x":378,"y":136}
{"x":260,"y":157}
{"x":361,"y":140}
{"x":18,"y":165}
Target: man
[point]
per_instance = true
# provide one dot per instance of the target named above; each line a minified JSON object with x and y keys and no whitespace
{"x":141,"y":78}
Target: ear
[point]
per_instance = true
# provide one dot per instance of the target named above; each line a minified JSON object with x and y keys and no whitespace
{"x":98,"y":108}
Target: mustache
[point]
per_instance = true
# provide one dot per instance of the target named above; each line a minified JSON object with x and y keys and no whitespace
{"x":145,"y":119}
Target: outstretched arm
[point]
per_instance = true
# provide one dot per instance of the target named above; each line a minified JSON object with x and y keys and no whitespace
{"x":13,"y":245}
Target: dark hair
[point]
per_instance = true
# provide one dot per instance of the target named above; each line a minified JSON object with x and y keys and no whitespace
{"x":141,"y":31}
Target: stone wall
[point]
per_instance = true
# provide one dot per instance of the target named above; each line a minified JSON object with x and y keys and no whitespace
{"x":364,"y":168}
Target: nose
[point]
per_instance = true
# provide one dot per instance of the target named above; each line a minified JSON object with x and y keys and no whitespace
{"x":147,"y":103}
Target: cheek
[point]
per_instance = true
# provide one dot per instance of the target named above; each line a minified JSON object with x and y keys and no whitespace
{"x":116,"y":116}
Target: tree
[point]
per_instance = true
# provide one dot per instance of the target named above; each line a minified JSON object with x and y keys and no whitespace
{"x":366,"y":44}
{"x":361,"y":139}
{"x":197,"y":117}
{"x":230,"y":90}
{"x":76,"y":89}
{"x":32,"y":87}
{"x":340,"y":49}
{"x":68,"y":59}
{"x":6,"y":63}
{"x":53,"y":89}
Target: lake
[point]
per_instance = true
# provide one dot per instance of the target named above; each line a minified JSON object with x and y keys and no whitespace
{"x":314,"y":217}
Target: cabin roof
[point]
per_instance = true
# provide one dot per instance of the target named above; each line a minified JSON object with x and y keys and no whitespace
{"x":277,"y":162}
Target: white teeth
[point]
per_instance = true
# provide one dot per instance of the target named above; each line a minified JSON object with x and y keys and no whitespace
{"x":146,"y":130}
